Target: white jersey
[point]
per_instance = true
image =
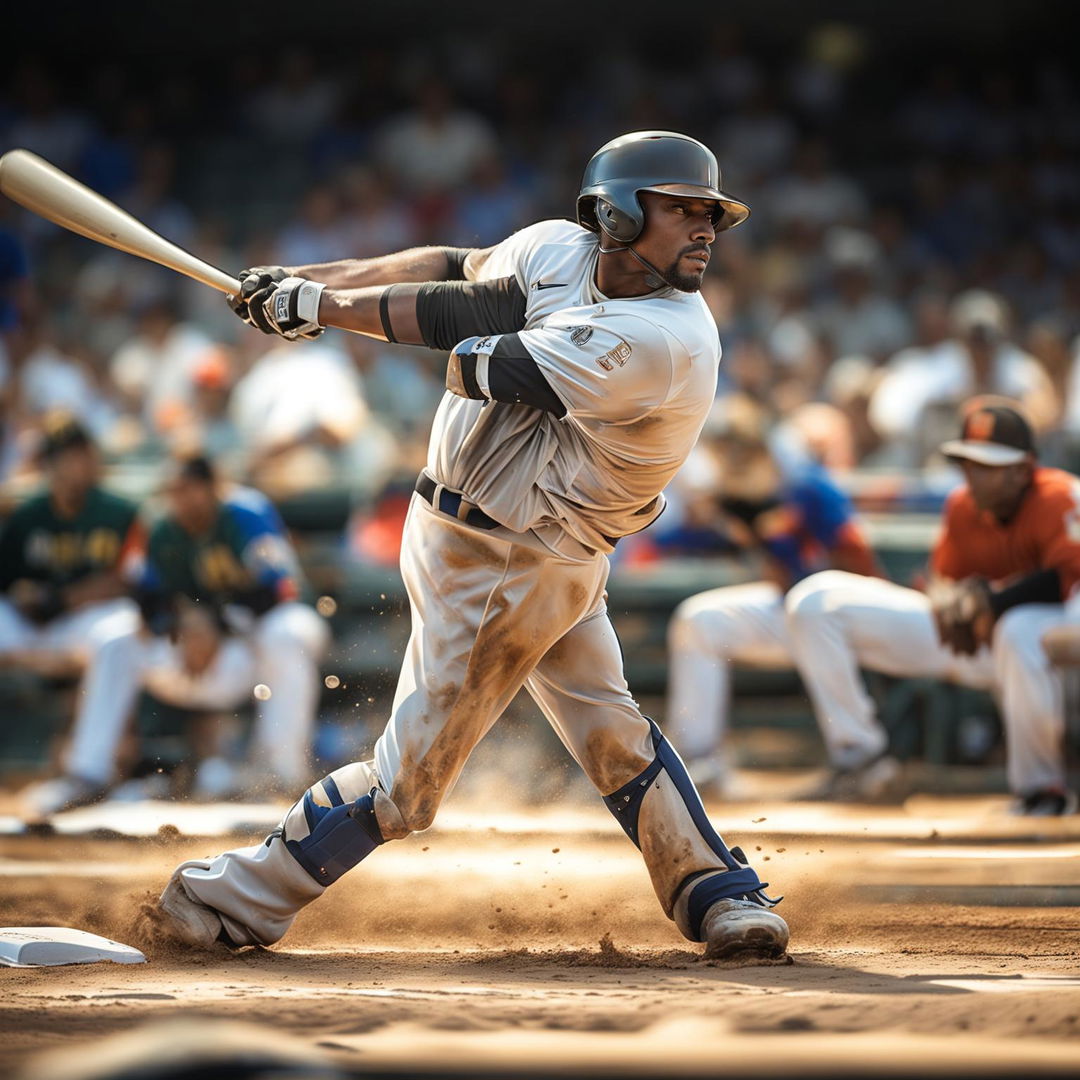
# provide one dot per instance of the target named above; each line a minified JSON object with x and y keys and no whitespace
{"x":637,"y":377}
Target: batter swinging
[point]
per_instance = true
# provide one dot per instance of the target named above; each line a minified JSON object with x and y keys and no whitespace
{"x":583,"y":365}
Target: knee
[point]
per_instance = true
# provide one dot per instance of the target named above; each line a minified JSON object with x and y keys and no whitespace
{"x":808,"y":601}
{"x":291,"y":627}
{"x":1017,"y":636}
{"x":696,"y":627}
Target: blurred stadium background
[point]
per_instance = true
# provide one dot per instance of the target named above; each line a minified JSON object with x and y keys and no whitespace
{"x":893,"y":162}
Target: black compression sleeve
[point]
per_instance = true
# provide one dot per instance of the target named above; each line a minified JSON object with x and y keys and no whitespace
{"x":455,"y":263}
{"x":515,"y":378}
{"x":384,"y":315}
{"x":1042,"y":587}
{"x":450,"y":311}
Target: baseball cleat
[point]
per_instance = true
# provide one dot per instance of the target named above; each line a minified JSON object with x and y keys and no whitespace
{"x":879,"y":781}
{"x":740,"y":928}
{"x":186,"y":919}
{"x":1049,"y":803}
{"x":42,"y":800}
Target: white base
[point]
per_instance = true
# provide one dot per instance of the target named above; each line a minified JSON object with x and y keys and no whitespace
{"x":48,"y":946}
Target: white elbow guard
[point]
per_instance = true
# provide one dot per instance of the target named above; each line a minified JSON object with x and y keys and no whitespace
{"x":467,"y":370}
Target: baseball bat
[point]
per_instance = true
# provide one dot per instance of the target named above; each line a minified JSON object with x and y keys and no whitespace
{"x":44,"y":189}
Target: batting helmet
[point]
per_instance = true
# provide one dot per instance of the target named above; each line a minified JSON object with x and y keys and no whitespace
{"x":661,"y":161}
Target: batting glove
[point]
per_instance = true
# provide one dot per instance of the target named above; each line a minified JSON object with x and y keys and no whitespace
{"x":256,"y":284}
{"x":292,"y":309}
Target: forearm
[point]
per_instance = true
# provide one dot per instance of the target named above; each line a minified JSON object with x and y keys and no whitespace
{"x":415,"y":264}
{"x":436,"y":314}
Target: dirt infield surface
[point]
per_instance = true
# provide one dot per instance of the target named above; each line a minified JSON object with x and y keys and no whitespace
{"x":940,"y":939}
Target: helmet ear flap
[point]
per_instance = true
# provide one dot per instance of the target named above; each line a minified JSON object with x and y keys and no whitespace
{"x":618,"y":224}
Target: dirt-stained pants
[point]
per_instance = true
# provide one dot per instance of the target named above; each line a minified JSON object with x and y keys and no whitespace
{"x":492,"y":611}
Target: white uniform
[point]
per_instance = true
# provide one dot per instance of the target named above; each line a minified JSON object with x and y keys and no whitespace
{"x":77,"y":632}
{"x":839,"y":623}
{"x":282,"y":652}
{"x":521,"y":604}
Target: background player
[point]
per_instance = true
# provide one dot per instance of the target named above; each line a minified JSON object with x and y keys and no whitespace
{"x":60,"y":559}
{"x":584,"y":364}
{"x":217,"y":588}
{"x":798,"y":522}
{"x":1005,"y":570}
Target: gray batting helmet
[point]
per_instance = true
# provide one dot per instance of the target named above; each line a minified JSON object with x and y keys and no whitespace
{"x":661,"y":161}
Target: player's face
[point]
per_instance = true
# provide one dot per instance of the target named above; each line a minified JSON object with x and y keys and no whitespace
{"x":74,"y":469}
{"x":192,"y":503}
{"x":677,"y":235}
{"x":997,"y":488}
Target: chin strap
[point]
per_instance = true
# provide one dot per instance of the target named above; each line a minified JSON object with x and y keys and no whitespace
{"x":655,"y":278}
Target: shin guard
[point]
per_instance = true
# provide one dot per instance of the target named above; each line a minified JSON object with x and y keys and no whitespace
{"x":729,"y":878}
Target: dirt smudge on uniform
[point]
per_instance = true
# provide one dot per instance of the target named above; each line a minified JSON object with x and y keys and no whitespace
{"x":610,"y":759}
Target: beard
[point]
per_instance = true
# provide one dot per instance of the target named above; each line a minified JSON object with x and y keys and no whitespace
{"x":688,"y":281}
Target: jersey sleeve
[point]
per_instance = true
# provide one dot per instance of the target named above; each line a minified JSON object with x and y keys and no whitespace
{"x":511,"y":256}
{"x":262,"y":545}
{"x":1059,"y":537}
{"x":826,"y":509}
{"x":611,"y":368}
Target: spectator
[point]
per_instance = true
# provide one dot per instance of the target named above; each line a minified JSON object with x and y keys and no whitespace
{"x":793,"y":523}
{"x":977,"y":358}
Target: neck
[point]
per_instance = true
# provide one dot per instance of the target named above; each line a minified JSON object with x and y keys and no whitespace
{"x":68,"y":501}
{"x":620,"y":273}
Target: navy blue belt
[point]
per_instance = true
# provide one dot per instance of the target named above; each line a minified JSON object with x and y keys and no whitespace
{"x":450,"y":502}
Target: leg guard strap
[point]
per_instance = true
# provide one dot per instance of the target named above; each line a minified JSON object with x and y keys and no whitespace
{"x":703,"y":889}
{"x":625,"y":803}
{"x":340,"y":835}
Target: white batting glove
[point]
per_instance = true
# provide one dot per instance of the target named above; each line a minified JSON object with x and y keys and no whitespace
{"x":292,"y":309}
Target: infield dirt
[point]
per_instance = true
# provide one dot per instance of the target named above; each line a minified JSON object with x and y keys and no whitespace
{"x":536,"y":946}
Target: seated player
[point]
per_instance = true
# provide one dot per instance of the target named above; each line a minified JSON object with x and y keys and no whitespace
{"x":61,"y":592}
{"x":1005,"y":573}
{"x":795,"y":523}
{"x":217,"y":586}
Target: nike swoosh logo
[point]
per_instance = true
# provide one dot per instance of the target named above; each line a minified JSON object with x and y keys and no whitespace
{"x":538,"y":285}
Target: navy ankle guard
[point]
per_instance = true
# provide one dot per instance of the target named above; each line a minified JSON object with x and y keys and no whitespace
{"x":340,"y":835}
{"x":739,"y":882}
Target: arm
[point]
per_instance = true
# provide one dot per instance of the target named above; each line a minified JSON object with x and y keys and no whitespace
{"x":415,"y":264}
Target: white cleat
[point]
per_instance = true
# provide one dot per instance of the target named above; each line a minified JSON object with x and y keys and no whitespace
{"x":741,"y":929}
{"x":185,"y":919}
{"x":40,"y":801}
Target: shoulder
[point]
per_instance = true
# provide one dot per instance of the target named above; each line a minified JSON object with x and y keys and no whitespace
{"x":516,"y":250}
{"x":959,"y":505}
{"x":1055,"y":487}
{"x":29,"y":511}
{"x":251,"y":510}
{"x":116,"y":506}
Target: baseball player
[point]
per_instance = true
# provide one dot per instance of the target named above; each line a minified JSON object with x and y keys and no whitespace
{"x":583,"y":362}
{"x":61,"y":591}
{"x":217,"y":587}
{"x":1005,"y":572}
{"x":798,"y":522}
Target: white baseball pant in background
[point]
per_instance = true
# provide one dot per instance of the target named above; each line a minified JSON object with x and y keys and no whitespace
{"x":77,"y":632}
{"x":839,"y":622}
{"x":282,"y":651}
{"x":707,"y":635}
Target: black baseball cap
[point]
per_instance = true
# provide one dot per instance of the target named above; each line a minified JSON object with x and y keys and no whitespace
{"x":992,"y":435}
{"x":60,"y":432}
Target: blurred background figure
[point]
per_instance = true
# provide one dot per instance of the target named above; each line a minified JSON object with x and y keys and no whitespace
{"x":790,"y":519}
{"x":218,"y":587}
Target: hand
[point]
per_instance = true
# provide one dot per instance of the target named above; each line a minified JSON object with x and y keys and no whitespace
{"x":36,"y":600}
{"x":292,"y":309}
{"x":198,"y":639}
{"x":256,"y":284}
{"x":962,"y":614}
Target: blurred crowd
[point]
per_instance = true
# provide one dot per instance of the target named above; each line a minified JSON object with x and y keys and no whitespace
{"x":915,"y":239}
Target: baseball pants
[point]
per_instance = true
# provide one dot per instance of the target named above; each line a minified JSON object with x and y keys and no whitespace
{"x":282,"y":651}
{"x":707,"y":635}
{"x":78,"y":632}
{"x":492,"y":611}
{"x":840,"y":622}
